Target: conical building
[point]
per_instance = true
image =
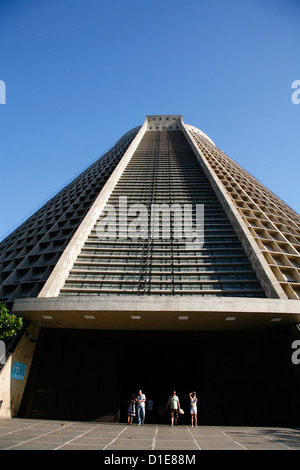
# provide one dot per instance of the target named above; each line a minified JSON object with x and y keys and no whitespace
{"x":163,"y":265}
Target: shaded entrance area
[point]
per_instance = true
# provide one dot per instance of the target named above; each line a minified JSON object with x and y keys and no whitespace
{"x":241,"y":377}
{"x":158,"y":367}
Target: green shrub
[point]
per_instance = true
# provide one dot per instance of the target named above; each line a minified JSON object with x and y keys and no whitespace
{"x":9,"y":324}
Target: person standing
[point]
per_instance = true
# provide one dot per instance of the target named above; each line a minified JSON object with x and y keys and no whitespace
{"x":131,"y":413}
{"x":161,"y":412}
{"x":174,"y":405}
{"x":193,"y":408}
{"x":141,"y":402}
{"x":150,"y":408}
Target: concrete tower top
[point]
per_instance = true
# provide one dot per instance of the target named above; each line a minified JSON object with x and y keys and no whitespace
{"x":171,"y":122}
{"x":164,"y":122}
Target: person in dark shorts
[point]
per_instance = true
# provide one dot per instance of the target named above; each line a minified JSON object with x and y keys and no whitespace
{"x":174,"y":405}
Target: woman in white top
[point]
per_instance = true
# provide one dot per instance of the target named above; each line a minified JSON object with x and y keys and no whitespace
{"x":193,"y":408}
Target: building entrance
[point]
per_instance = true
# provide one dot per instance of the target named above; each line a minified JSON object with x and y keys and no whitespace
{"x":158,"y":367}
{"x":241,"y":378}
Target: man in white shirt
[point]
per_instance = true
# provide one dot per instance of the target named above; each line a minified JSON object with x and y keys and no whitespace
{"x":141,"y":400}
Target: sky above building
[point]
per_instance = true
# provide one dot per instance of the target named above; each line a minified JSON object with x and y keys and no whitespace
{"x":78,"y":74}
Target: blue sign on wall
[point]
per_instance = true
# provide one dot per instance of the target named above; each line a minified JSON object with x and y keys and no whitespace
{"x":18,"y":371}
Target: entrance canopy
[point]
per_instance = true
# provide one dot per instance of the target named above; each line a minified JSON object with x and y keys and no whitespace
{"x":158,"y":313}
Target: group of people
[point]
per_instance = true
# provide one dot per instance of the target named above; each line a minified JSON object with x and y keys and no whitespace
{"x":137,"y":407}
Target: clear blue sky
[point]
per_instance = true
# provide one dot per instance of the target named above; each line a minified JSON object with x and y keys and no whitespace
{"x":81,"y":73}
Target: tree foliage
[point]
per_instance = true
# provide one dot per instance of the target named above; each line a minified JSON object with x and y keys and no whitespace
{"x":9,"y":324}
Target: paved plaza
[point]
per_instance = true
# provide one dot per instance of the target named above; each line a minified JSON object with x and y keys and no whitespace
{"x":31,"y":434}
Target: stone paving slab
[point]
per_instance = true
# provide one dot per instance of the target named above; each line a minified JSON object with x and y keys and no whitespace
{"x":31,"y":434}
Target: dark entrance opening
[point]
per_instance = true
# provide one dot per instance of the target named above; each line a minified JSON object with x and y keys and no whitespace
{"x":159,"y":367}
{"x":241,"y":377}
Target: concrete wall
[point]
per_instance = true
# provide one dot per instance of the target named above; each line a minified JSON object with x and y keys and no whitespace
{"x":11,"y":389}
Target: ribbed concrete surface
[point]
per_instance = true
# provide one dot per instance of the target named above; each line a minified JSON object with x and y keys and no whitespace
{"x":25,"y":434}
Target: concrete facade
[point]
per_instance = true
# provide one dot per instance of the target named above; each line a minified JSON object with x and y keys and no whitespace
{"x":115,"y":313}
{"x":246,"y":280}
